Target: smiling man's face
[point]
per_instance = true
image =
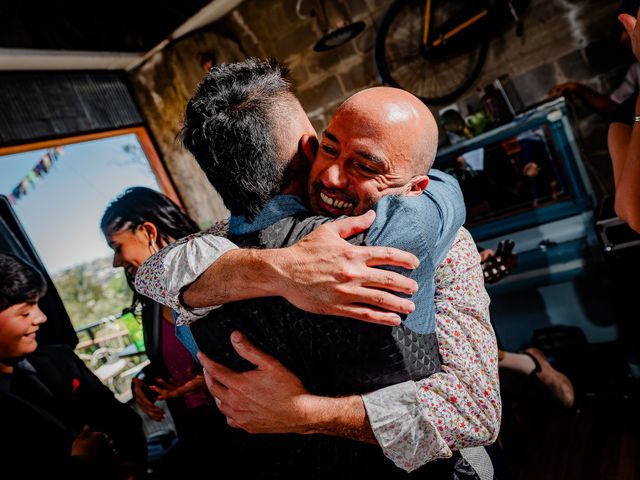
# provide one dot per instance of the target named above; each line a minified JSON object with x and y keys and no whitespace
{"x":368,"y":151}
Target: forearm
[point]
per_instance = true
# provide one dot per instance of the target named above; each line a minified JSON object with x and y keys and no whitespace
{"x":343,"y":417}
{"x":271,"y":399}
{"x":163,"y":275}
{"x":600,"y":103}
{"x":627,"y":176}
{"x":234,"y":276}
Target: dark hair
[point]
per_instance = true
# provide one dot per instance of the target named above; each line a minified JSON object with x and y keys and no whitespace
{"x":138,"y":205}
{"x":229,"y":127}
{"x":19,"y":281}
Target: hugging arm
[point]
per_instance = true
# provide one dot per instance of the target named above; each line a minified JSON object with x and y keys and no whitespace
{"x":459,"y":407}
{"x":271,"y":399}
{"x":413,"y":422}
{"x":624,"y":148}
{"x":416,"y":422}
{"x":322,"y":274}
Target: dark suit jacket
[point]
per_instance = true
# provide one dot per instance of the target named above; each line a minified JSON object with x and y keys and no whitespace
{"x":36,"y":437}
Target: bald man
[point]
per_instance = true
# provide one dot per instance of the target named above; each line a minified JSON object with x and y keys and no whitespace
{"x":388,"y":149}
{"x":380,"y":142}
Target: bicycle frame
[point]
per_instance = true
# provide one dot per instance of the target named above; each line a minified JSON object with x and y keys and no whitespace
{"x":473,"y":20}
{"x":436,"y":48}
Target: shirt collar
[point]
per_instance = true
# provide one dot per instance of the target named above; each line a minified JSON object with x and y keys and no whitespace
{"x":26,"y":366}
{"x":5,"y":378}
{"x":279,"y":207}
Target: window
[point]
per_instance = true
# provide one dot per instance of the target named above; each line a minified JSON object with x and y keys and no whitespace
{"x":59,"y":191}
{"x":518,"y":174}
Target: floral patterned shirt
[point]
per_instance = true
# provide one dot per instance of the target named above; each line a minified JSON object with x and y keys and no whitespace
{"x":459,"y":407}
{"x":414,"y":422}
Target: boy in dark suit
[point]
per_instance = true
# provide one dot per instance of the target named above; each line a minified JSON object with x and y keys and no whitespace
{"x":56,"y":415}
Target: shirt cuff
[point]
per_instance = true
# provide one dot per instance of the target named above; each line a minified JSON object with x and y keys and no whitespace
{"x":184,"y":265}
{"x":187,"y":315}
{"x":402,"y":431}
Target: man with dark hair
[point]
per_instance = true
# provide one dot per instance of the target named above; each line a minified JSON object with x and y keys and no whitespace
{"x":377,"y":160}
{"x":222,"y":108}
{"x":55,"y":414}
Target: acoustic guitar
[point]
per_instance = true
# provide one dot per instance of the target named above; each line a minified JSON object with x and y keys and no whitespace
{"x":500,"y":264}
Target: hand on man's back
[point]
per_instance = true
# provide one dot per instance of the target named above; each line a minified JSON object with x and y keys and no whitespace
{"x":325,"y":274}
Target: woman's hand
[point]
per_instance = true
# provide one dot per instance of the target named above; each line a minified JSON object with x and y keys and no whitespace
{"x":170,"y":389}
{"x":632,"y":27}
{"x":143,"y":401}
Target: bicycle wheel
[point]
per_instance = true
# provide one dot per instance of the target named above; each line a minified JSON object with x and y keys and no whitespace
{"x":402,"y":62}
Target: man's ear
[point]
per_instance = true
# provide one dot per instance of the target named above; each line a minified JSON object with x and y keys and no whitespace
{"x":308,"y":147}
{"x":418,"y":184}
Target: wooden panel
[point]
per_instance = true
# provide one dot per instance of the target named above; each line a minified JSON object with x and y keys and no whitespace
{"x":35,"y":105}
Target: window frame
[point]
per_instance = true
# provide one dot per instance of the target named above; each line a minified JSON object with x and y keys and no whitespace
{"x":156,"y":164}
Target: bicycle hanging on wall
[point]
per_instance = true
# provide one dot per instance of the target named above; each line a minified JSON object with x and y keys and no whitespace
{"x":435,"y":49}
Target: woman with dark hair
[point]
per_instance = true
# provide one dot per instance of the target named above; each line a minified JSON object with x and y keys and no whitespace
{"x":136,"y":225}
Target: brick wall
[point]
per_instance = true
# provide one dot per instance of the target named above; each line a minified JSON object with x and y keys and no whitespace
{"x":554,"y":49}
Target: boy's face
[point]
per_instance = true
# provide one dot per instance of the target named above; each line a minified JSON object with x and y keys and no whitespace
{"x":18,"y":326}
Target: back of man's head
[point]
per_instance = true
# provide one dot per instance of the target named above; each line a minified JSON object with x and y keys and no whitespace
{"x":230,"y":128}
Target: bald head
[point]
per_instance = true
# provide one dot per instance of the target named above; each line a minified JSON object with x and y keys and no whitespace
{"x":380,"y":142}
{"x":400,"y":113}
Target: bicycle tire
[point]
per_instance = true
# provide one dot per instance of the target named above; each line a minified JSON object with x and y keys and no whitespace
{"x":404,"y":15}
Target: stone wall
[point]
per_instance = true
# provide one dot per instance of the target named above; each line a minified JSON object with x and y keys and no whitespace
{"x":162,"y":86}
{"x":554,"y":49}
{"x":322,"y":80}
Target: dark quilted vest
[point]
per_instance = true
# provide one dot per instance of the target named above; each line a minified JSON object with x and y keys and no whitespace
{"x":332,"y":356}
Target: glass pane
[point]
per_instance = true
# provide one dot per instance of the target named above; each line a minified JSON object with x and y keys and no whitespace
{"x":519,"y":174}
{"x":59,"y":195}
